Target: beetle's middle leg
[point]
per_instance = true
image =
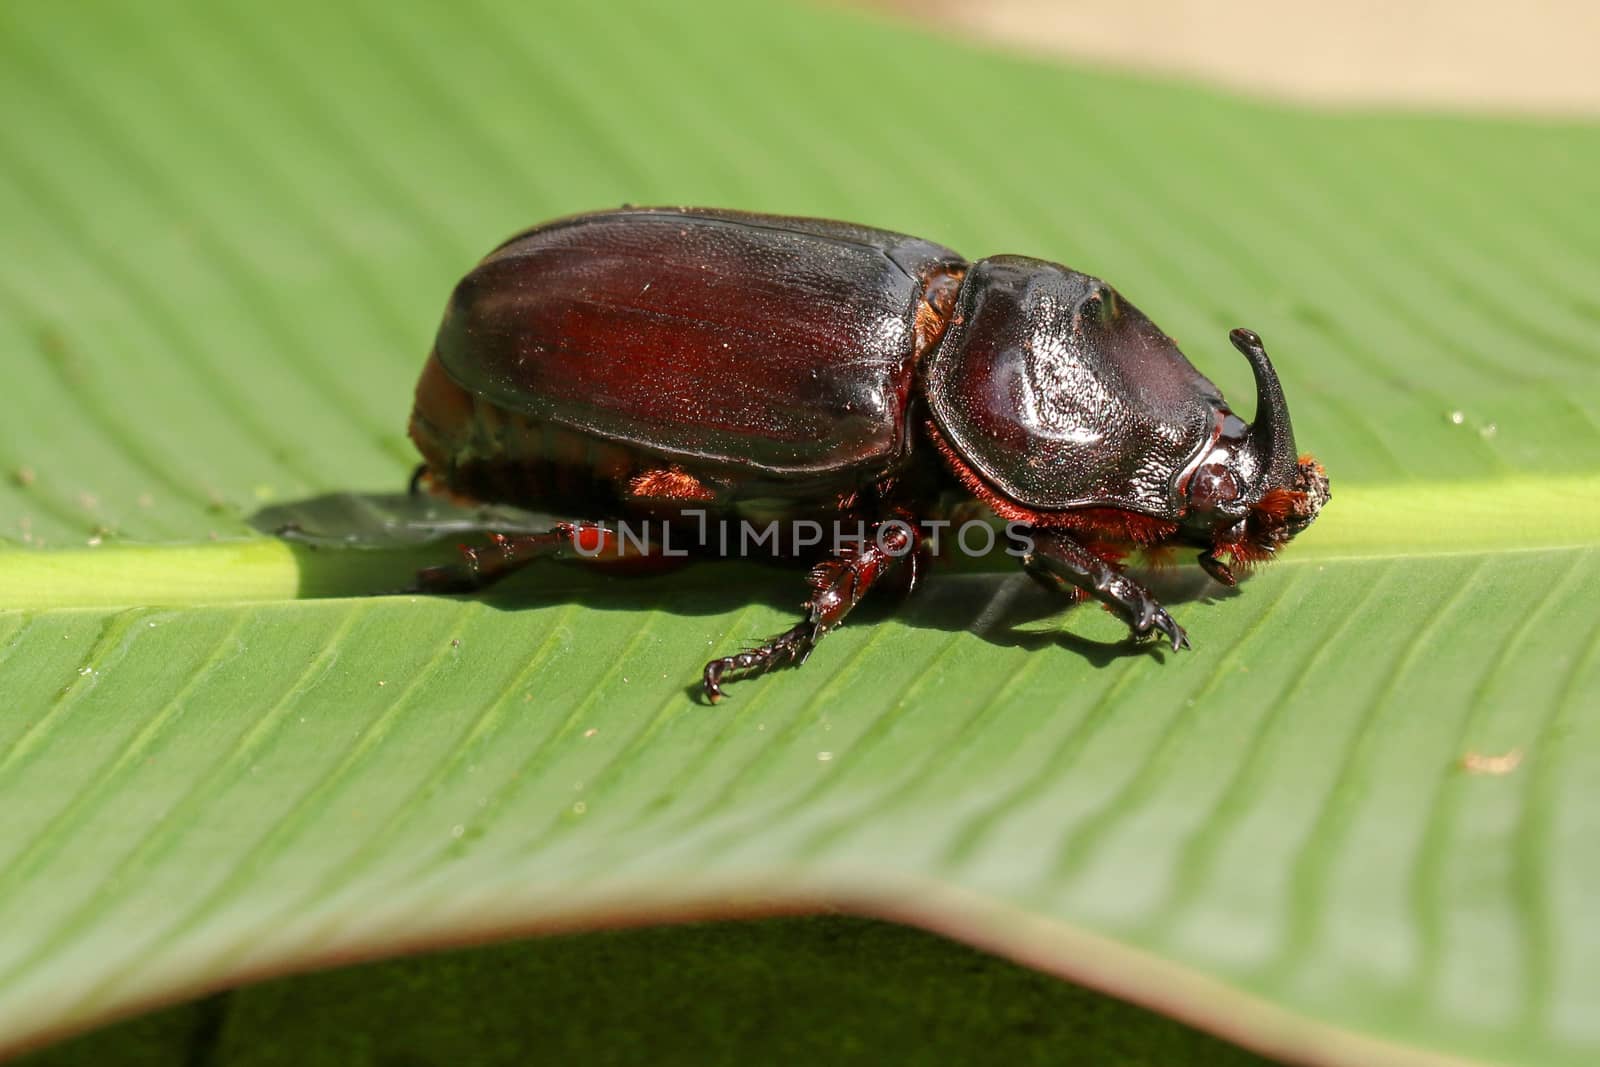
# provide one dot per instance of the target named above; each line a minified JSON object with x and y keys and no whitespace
{"x":1057,"y":558}
{"x":508,"y":553}
{"x":837,"y":585}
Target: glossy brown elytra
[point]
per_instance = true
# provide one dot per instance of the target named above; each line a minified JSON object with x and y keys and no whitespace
{"x":681,"y":365}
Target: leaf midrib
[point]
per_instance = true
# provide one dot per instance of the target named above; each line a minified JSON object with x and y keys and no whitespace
{"x":1363,"y":523}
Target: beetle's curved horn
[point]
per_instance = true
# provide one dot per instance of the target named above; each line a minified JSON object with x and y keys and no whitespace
{"x":1271,"y":432}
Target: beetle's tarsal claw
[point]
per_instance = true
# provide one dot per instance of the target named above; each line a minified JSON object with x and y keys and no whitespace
{"x":790,"y":647}
{"x":711,"y":681}
{"x":1173,"y":632}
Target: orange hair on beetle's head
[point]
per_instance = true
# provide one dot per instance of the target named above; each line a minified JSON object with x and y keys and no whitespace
{"x":1281,"y":513}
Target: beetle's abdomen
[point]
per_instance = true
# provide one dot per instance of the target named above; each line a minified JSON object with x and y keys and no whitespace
{"x":770,"y":349}
{"x":480,"y":451}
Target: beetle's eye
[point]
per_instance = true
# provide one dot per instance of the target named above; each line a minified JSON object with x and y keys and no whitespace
{"x":1214,"y":485}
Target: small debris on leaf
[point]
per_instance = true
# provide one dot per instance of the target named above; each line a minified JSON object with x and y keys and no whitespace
{"x":1479,"y":763}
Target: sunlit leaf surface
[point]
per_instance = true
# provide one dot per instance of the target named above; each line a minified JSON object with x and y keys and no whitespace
{"x":1357,"y":824}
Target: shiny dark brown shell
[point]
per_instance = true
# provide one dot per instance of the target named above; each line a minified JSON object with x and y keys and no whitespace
{"x":1060,"y":394}
{"x":718,"y":341}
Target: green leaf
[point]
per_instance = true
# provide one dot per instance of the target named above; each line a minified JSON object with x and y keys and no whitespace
{"x":1354,"y":825}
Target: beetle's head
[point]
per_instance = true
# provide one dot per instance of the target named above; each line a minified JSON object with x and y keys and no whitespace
{"x":1251,"y":493}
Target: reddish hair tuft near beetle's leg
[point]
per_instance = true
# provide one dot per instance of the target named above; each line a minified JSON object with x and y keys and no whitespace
{"x":837,"y":585}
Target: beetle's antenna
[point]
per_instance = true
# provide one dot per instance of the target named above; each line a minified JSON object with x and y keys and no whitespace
{"x":1272,"y":431}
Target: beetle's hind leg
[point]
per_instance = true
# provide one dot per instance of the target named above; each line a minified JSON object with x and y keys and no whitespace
{"x":837,"y":585}
{"x":506,"y":554}
{"x":1057,"y":559}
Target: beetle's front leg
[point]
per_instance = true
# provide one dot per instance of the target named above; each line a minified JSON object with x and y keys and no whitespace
{"x":1057,"y":556}
{"x":837,"y":585}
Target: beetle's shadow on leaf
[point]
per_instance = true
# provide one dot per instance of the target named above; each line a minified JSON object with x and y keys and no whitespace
{"x":386,"y":521}
{"x":352,"y":544}
{"x":355,"y":544}
{"x":1014,"y":611}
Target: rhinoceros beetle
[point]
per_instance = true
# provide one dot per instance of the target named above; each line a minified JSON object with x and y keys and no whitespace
{"x":678,"y":363}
